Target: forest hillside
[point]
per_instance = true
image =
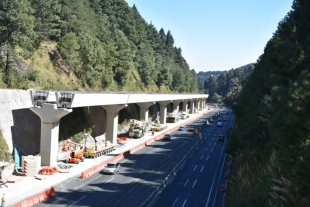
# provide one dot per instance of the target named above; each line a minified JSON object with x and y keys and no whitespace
{"x":88,"y":45}
{"x":271,"y":138}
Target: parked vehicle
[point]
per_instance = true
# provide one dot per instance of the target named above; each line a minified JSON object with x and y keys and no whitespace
{"x":219,"y":124}
{"x":182,"y":128}
{"x":137,"y":128}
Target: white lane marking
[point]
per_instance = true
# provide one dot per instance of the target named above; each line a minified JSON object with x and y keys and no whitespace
{"x":212,"y":138}
{"x":174,"y":202}
{"x":87,"y":182}
{"x":212,"y":150}
{"x":215,"y":143}
{"x":62,"y":188}
{"x":210,"y":143}
{"x":197,"y":148}
{"x":184,"y":203}
{"x":201,"y":157}
{"x":194,"y":183}
{"x":215,"y":176}
{"x":186,"y":182}
{"x":182,"y":166}
{"x":202,"y":168}
{"x":191,"y":156}
{"x":206,"y":149}
{"x":207,"y":157}
{"x":195,"y":168}
{"x":171,"y":180}
{"x":77,"y":201}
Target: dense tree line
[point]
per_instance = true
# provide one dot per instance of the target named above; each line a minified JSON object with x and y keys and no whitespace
{"x":101,"y":42}
{"x":272,"y":134}
{"x":225,"y":86}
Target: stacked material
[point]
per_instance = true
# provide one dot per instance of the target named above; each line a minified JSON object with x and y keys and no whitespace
{"x":31,"y":165}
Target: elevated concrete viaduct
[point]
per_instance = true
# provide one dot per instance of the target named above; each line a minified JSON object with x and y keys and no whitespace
{"x":52,"y":106}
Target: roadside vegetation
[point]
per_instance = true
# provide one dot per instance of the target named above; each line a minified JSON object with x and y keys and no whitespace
{"x":4,"y":154}
{"x":270,"y":141}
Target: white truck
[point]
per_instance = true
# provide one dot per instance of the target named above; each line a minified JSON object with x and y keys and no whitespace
{"x":184,"y":115}
{"x":172,"y":117}
{"x":137,"y":128}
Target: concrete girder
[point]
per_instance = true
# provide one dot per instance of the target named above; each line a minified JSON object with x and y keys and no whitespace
{"x":163,"y":111}
{"x":112,"y":121}
{"x":50,"y":116}
{"x":144,"y":110}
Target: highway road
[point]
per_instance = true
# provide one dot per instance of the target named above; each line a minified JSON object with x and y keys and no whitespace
{"x":143,"y":171}
{"x":200,"y":179}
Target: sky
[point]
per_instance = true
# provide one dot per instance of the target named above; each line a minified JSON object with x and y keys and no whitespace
{"x":216,"y":35}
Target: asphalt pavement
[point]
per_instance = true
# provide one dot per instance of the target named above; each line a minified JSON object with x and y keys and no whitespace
{"x":71,"y":190}
{"x":199,"y":181}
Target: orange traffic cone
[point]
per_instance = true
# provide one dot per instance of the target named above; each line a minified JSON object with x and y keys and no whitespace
{"x":223,"y":189}
{"x":225,"y":175}
{"x":227,"y":165}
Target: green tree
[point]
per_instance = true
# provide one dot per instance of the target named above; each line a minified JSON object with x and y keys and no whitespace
{"x":4,"y":150}
{"x":16,"y":29}
{"x":69,"y":49}
{"x":47,"y":19}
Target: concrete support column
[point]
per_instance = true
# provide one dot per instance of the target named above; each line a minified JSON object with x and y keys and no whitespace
{"x":185,"y":105}
{"x":176,"y":105}
{"x":144,"y":110}
{"x":50,"y":116}
{"x":163,"y":111}
{"x":191,"y":106}
{"x":198,"y":105}
{"x":112,"y":122}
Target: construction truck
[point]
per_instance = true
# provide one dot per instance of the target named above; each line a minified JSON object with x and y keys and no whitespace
{"x":172,"y":117}
{"x":158,"y":127}
{"x":137,"y":128}
{"x":184,"y":115}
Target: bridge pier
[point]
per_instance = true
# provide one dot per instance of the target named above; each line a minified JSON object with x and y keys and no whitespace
{"x":144,"y":110}
{"x":112,"y":121}
{"x":185,"y":105}
{"x":163,"y":111}
{"x":192,"y":106}
{"x":176,"y":105}
{"x":50,"y":116}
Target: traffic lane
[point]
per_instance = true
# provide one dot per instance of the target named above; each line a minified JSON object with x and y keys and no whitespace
{"x":203,"y":193}
{"x":180,"y":198}
{"x":157,"y":178}
{"x":65,"y":192}
{"x":219,"y":196}
{"x":187,"y":179}
{"x":187,"y":176}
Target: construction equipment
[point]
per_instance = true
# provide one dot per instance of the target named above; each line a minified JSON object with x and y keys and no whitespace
{"x":76,"y":151}
{"x":98,"y":149}
{"x":77,"y":156}
{"x":137,"y":128}
{"x":172,"y":117}
{"x":158,"y":127}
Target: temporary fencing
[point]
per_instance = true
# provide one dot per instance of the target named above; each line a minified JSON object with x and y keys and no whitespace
{"x":37,"y":198}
